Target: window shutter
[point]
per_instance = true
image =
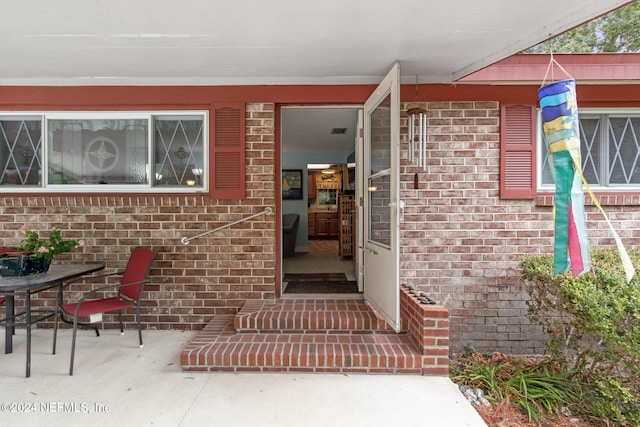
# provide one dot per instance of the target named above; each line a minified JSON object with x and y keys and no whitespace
{"x":227,"y":157}
{"x":517,"y":151}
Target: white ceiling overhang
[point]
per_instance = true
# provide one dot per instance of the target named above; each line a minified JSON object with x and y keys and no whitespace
{"x":204,"y":42}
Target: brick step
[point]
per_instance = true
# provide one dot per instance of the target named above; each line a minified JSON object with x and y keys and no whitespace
{"x":322,"y":335}
{"x":310,"y":316}
{"x":219,"y":348}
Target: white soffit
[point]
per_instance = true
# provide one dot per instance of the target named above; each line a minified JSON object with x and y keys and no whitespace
{"x":204,"y":42}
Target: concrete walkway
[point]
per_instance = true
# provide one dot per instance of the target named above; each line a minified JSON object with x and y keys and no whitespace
{"x":117,"y":384}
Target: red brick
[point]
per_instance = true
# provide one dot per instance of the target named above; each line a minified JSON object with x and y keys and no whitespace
{"x":308,"y":351}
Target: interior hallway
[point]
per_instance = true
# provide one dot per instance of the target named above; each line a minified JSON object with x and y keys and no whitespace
{"x":323,"y":257}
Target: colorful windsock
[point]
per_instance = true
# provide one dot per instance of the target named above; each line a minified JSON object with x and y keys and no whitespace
{"x":562,"y":135}
{"x":559,"y":107}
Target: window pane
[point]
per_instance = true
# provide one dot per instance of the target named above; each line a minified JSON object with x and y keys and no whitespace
{"x":590,"y":149}
{"x":380,"y":211}
{"x":97,"y":151}
{"x":179,"y":151}
{"x":381,"y":136}
{"x":547,"y":161}
{"x":20,"y":155}
{"x":624,"y":150}
{"x":379,"y":179}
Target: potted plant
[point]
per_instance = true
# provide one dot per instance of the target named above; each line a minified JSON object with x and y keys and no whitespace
{"x":34,"y":255}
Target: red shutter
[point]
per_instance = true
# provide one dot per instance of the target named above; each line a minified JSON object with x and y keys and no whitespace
{"x":517,"y":151}
{"x":228,"y":151}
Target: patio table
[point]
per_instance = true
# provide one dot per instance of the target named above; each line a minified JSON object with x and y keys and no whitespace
{"x":32,"y":284}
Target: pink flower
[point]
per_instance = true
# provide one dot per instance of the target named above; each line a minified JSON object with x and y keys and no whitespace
{"x":43,"y":250}
{"x":23,"y":229}
{"x":81,"y":243}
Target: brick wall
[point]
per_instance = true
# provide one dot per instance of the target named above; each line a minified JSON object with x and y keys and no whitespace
{"x":462,"y":244}
{"x":428,"y":327}
{"x":459,"y":241}
{"x":189,"y":283}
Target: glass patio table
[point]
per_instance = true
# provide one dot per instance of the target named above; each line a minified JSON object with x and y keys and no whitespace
{"x":32,"y":284}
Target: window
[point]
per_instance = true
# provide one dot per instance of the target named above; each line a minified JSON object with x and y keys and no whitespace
{"x":108,"y":151}
{"x":610,"y":150}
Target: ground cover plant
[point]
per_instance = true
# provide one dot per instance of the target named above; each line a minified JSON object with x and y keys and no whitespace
{"x":591,"y":374}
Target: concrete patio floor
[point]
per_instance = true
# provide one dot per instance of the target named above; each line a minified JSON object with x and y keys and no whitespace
{"x":117,"y":384}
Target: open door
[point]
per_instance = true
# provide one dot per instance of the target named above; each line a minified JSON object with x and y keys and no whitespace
{"x":381,"y":198}
{"x":360,"y":192}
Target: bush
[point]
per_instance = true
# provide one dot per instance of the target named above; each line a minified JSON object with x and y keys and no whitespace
{"x":594,"y":327}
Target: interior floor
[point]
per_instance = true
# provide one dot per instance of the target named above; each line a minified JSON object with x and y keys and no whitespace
{"x":323,"y":257}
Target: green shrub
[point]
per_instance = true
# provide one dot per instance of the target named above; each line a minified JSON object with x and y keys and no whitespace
{"x":594,"y":327}
{"x":607,"y":399}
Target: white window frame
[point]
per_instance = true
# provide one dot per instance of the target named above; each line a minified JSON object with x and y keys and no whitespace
{"x":149,"y":187}
{"x":611,"y":112}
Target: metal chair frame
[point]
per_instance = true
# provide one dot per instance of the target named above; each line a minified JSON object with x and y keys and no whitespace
{"x":123,"y":300}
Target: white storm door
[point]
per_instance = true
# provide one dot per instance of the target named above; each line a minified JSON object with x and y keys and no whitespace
{"x":360,"y":192}
{"x":381,"y":203}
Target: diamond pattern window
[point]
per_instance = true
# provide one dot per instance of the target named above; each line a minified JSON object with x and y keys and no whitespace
{"x":111,"y":151}
{"x":610,"y":150}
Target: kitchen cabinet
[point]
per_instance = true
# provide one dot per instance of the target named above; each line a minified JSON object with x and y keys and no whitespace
{"x":311,"y":222}
{"x":311,"y":186}
{"x":323,"y":225}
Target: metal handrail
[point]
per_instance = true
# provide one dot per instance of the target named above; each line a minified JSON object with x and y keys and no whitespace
{"x":186,"y":240}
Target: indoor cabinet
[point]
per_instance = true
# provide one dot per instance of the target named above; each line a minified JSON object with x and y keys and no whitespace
{"x":323,"y":225}
{"x":311,"y":186}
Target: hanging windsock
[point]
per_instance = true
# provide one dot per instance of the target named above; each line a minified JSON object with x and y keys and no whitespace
{"x":562,"y":135}
{"x":559,"y":107}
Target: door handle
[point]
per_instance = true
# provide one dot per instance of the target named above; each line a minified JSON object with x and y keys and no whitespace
{"x":371,"y":251}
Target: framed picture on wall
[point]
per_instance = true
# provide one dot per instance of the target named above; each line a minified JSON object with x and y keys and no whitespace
{"x":291,"y":184}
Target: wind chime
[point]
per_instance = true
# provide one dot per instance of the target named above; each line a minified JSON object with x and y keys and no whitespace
{"x":558,"y":103}
{"x":417,"y":134}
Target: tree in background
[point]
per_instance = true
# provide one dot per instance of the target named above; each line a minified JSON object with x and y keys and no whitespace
{"x":618,"y":31}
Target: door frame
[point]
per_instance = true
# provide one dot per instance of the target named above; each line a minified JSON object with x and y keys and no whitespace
{"x":357,"y":259}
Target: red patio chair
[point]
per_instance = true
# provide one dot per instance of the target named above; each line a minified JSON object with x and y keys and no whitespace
{"x":128,"y":296}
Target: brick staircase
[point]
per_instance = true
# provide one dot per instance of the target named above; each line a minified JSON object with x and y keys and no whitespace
{"x":316,"y":335}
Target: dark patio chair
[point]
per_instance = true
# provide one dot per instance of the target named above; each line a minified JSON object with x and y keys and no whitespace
{"x":128,"y":294}
{"x":289,"y":234}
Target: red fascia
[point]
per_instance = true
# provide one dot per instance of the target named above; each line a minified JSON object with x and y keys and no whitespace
{"x":614,"y":68}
